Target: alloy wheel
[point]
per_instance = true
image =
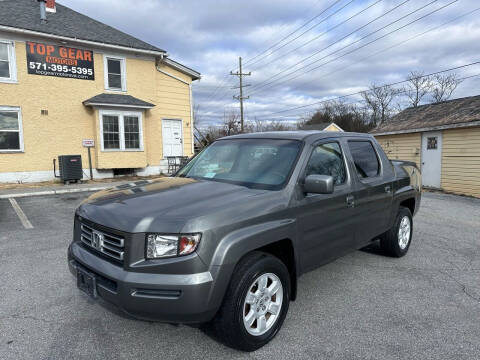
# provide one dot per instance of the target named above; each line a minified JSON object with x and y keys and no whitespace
{"x":404,"y":231}
{"x":263,"y":304}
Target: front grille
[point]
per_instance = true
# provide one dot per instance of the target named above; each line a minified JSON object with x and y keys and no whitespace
{"x":106,"y":243}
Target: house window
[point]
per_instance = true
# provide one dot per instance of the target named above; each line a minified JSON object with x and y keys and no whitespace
{"x":121,"y":131}
{"x":132,"y":132}
{"x":115,"y":73}
{"x":8,"y":70}
{"x":111,"y":132}
{"x":11,"y":138}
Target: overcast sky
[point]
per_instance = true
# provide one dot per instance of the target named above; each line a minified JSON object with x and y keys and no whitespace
{"x":209,"y":36}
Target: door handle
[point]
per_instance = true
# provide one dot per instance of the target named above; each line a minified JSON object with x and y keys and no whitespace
{"x":350,"y":201}
{"x":388,"y":189}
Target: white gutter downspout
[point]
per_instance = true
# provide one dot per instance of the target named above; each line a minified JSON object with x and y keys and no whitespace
{"x":80,"y":41}
{"x":191,"y":102}
{"x":191,"y":118}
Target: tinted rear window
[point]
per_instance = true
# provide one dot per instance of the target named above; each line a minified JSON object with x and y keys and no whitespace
{"x":365,"y":158}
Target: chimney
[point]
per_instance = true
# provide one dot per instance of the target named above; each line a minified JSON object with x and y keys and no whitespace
{"x":51,"y":8}
{"x":43,"y":14}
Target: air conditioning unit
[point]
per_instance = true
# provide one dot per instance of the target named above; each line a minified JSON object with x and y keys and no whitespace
{"x":70,"y":167}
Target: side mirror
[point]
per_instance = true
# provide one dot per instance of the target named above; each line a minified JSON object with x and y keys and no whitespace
{"x":318,"y":184}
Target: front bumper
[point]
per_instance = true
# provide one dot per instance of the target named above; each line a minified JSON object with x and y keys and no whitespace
{"x":178,"y":298}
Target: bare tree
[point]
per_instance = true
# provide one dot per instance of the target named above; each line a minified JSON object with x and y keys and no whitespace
{"x":372,"y":105}
{"x":350,"y":117}
{"x":379,"y":100}
{"x":231,"y":123}
{"x":261,"y":125}
{"x":418,"y":86}
{"x":444,"y":86}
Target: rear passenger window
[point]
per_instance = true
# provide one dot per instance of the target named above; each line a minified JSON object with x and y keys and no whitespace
{"x":327,"y":159}
{"x":365,"y":158}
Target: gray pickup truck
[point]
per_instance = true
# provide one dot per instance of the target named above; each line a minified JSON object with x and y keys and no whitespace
{"x":225,"y":239}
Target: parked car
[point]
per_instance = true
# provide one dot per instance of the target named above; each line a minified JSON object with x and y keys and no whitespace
{"x":225,"y":240}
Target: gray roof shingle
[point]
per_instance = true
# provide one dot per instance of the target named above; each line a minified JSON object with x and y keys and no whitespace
{"x":451,"y":113}
{"x":318,"y":126}
{"x":25,"y":14}
{"x":118,"y":100}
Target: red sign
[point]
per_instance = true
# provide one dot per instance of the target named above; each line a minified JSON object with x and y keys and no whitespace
{"x":88,"y":143}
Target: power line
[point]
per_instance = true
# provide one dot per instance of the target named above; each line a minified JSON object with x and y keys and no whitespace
{"x":376,"y":87}
{"x":223,"y":83}
{"x":303,"y":33}
{"x":400,"y":43}
{"x":261,"y":117}
{"x":321,"y":34}
{"x":371,"y":42}
{"x":259,"y":86}
{"x":373,"y":55}
{"x":358,"y":101}
{"x":293,"y":32}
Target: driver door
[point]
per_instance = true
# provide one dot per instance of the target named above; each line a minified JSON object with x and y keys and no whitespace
{"x":325,"y":222}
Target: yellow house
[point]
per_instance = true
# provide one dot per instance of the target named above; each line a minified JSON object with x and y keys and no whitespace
{"x":323,"y":127}
{"x":443,"y":139}
{"x":68,"y":82}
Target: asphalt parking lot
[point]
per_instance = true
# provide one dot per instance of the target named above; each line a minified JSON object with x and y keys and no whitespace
{"x":362,"y":306}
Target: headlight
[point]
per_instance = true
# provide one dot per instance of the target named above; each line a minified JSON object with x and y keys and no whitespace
{"x":159,"y":246}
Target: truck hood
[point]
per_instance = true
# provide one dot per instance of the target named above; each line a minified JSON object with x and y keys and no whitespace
{"x":162,"y":205}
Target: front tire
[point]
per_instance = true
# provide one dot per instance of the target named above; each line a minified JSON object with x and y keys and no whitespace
{"x":396,"y":241}
{"x":255,"y":304}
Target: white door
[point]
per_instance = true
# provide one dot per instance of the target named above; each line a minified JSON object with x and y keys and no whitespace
{"x":172,"y":138}
{"x":431,"y":158}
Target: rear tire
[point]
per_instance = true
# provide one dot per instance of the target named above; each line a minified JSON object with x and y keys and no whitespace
{"x":396,"y":241}
{"x":255,"y":304}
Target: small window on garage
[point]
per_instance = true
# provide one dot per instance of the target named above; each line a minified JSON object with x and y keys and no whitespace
{"x":327,"y":159}
{"x":8,"y":71}
{"x":365,"y":158}
{"x":11,"y":138}
{"x":432,"y":143}
{"x":115,"y":73}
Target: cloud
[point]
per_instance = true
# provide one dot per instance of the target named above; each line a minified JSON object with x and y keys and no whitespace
{"x":209,"y":36}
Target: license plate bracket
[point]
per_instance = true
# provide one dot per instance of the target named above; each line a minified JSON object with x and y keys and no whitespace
{"x":87,"y":282}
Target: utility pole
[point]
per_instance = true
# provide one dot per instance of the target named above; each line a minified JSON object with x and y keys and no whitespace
{"x":241,"y":97}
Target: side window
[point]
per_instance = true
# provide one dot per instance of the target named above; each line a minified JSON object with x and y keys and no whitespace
{"x":131,"y":130}
{"x":115,"y":73}
{"x":121,"y":131}
{"x":111,"y":132}
{"x":10,"y":129}
{"x":327,"y":159}
{"x":365,"y":158}
{"x":8,"y":71}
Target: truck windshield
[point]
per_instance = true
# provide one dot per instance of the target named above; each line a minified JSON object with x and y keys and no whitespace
{"x":257,"y":163}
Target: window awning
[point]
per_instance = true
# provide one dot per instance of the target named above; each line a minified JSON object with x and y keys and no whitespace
{"x":117,"y":100}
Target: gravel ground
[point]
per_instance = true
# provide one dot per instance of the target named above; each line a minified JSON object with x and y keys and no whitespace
{"x":362,"y":306}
